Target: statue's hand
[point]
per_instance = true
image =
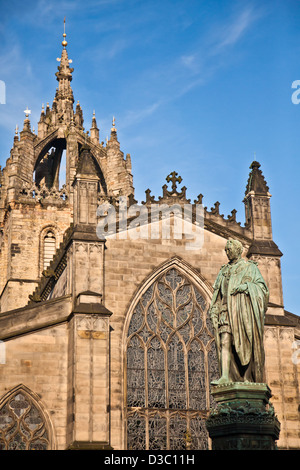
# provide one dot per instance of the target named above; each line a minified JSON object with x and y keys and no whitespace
{"x":242,"y":288}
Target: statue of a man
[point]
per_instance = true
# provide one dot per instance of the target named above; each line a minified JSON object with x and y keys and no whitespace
{"x":237,"y":311}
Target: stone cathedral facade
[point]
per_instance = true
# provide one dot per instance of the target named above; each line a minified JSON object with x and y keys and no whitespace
{"x":106,"y":342}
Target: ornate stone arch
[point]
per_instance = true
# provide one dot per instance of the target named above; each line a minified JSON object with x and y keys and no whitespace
{"x":61,"y":142}
{"x":48,"y":163}
{"x":169,"y":360}
{"x":24,"y":421}
{"x":44,"y":145}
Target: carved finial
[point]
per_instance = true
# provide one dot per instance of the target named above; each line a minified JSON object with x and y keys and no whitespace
{"x":256,"y":181}
{"x":215,"y":210}
{"x":174,"y":178}
{"x":232,"y":217}
{"x":113,"y":129}
{"x":27,"y":112}
{"x":254,"y":164}
{"x":199,"y":199}
{"x":94,"y":122}
{"x":26,"y":126}
{"x":16,"y":136}
{"x":64,"y":42}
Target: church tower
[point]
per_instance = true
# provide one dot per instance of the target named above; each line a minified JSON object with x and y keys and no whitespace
{"x":36,"y":208}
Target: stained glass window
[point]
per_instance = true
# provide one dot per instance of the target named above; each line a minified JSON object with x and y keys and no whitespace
{"x":22,"y":426}
{"x":171,"y":359}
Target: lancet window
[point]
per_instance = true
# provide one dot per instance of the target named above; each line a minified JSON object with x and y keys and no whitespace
{"x":22,"y":424}
{"x":49,"y":248}
{"x":171,"y":359}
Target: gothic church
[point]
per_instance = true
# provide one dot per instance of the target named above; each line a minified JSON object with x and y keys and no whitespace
{"x":106,"y":343}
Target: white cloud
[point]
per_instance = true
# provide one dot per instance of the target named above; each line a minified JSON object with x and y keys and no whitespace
{"x":133,"y":117}
{"x":232,"y":32}
{"x":207,"y":57}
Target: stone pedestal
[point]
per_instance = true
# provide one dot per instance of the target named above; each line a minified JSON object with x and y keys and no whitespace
{"x":243,"y":418}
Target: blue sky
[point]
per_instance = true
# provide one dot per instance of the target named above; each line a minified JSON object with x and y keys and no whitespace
{"x":199,"y":87}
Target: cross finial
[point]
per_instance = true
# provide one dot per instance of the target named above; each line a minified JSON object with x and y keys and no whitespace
{"x":174,"y":178}
{"x":27,"y":112}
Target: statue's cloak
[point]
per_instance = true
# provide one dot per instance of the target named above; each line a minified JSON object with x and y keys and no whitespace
{"x":246,"y":312}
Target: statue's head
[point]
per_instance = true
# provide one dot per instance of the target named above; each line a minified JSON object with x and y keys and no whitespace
{"x":234,"y":249}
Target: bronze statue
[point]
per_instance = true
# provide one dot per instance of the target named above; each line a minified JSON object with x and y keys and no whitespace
{"x":237,"y":311}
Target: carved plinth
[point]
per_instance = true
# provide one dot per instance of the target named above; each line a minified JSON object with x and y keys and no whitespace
{"x":243,"y":418}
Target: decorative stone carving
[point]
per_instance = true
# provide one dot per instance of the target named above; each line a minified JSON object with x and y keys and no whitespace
{"x":41,"y":192}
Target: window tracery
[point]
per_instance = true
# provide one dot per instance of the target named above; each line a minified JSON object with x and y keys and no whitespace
{"x":171,"y":359}
{"x":22,"y":424}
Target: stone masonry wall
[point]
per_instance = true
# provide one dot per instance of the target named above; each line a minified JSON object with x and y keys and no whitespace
{"x":39,"y":361}
{"x":283,"y":376}
{"x":21,"y":258}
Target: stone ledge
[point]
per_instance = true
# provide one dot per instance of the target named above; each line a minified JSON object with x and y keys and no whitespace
{"x":264,"y":247}
{"x":89,"y":445}
{"x":34,"y":317}
{"x":91,"y":309}
{"x":279,"y":320}
{"x":45,"y":314}
{"x":233,"y":391}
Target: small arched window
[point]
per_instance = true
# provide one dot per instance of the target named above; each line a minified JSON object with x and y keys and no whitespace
{"x":49,"y":248}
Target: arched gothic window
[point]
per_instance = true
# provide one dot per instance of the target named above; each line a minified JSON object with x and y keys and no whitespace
{"x":171,"y":360}
{"x":49,"y":248}
{"x":23,"y":425}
